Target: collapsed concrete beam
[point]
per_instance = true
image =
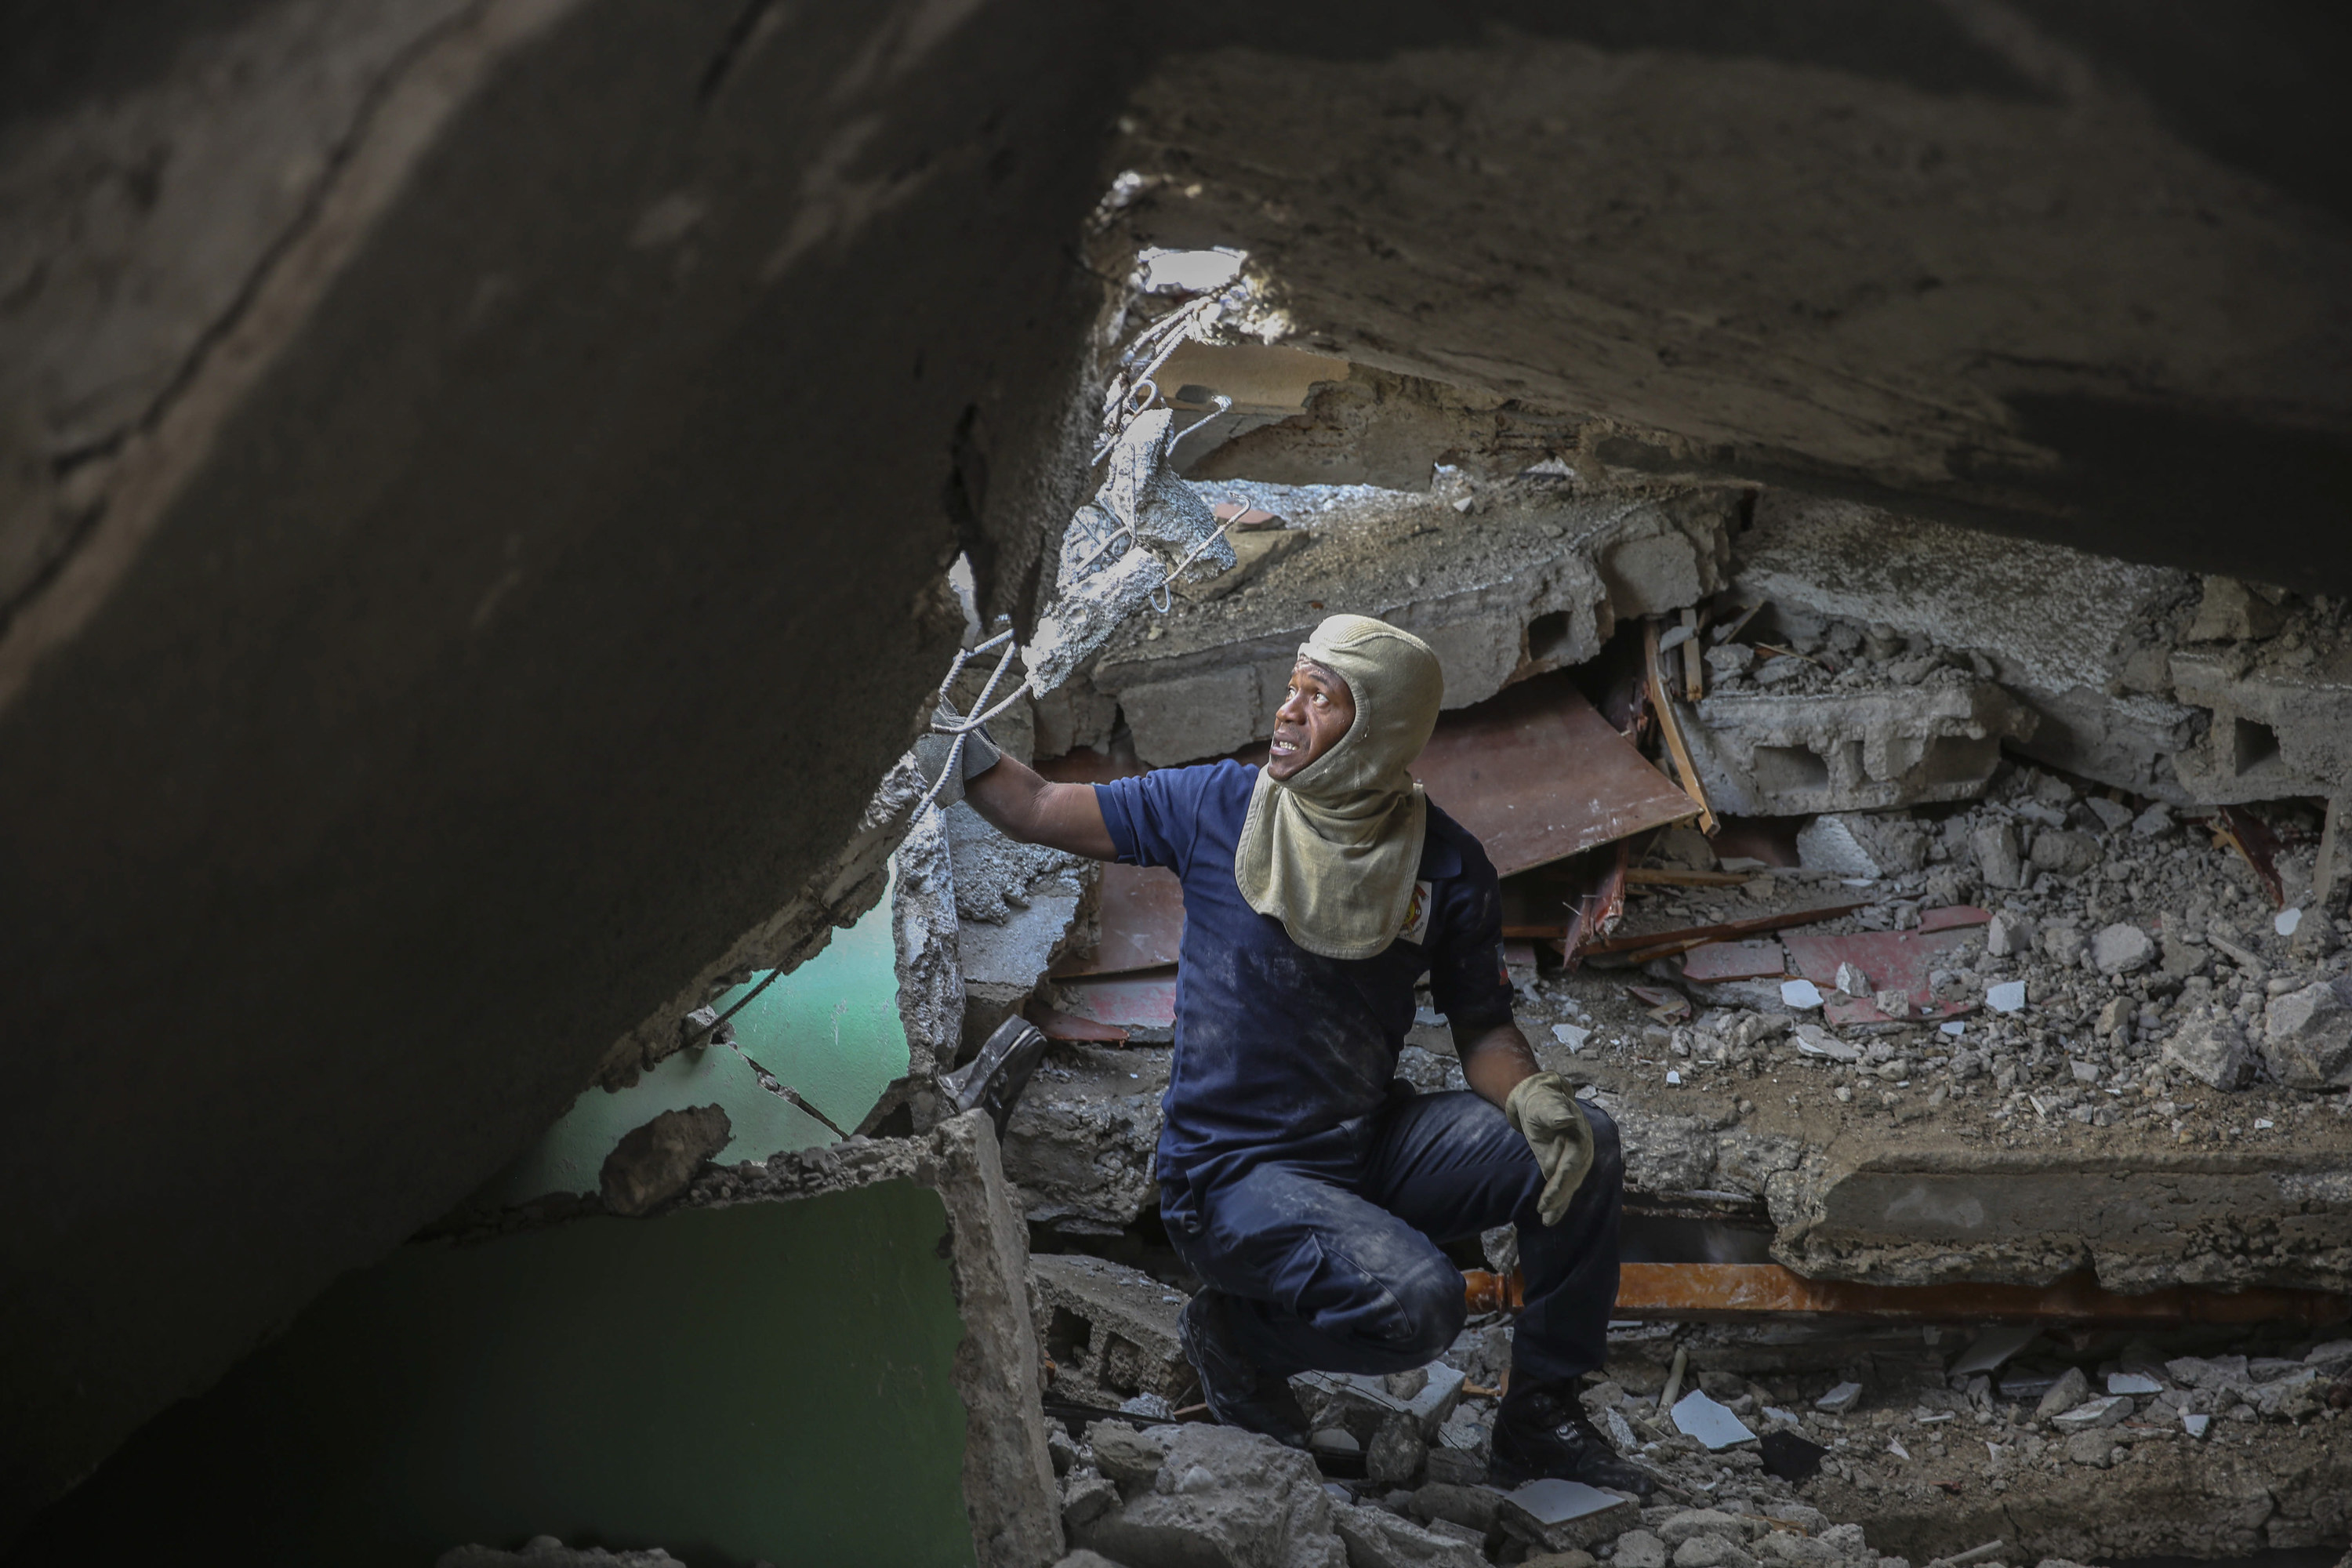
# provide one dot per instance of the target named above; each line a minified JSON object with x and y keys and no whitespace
{"x":1764,"y":754}
{"x":1503,"y":583}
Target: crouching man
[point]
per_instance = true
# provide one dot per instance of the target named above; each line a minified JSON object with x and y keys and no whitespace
{"x":1305,"y":1183}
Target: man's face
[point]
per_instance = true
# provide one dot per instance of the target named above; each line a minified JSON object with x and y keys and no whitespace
{"x":1317,"y":711}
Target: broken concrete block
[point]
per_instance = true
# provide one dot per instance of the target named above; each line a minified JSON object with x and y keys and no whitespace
{"x":2070,"y":1389}
{"x":1085,"y":1499}
{"x":2009,"y":936}
{"x":2065,"y":944}
{"x":2064,"y":853}
{"x":1362,"y":1404}
{"x":1017,"y":905}
{"x":1687,"y":1524}
{"x":2122,"y":949}
{"x":2114,"y":814}
{"x":1394,"y":1456}
{"x":2229,"y":612}
{"x":2154,"y":822}
{"x":1831,"y":844}
{"x":1785,"y":753}
{"x":2274,"y":726}
{"x":1083,"y":1559}
{"x":1998,"y":861}
{"x":2308,"y":1036}
{"x":1110,"y":1330}
{"x":1470,"y":1505}
{"x":2094,"y":1448}
{"x":1554,"y":1515}
{"x":2210,"y":1049}
{"x":1640,"y":1548}
{"x":655,"y":1163}
{"x":1375,"y":1538}
{"x":1711,"y":1552}
{"x":1131,"y":1457}
{"x":1841,"y":1399}
{"x":1080,"y":1144}
{"x":1223,"y":1499}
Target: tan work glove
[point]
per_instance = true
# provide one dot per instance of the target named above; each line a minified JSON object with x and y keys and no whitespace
{"x":1543,"y":1110}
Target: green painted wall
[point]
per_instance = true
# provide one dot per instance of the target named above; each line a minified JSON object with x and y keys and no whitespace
{"x":771,"y":1380}
{"x":830,"y":1029}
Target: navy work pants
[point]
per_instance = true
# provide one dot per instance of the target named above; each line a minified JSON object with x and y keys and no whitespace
{"x":1328,"y":1247}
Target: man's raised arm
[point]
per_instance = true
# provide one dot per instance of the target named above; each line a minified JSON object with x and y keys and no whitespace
{"x":1017,"y":803}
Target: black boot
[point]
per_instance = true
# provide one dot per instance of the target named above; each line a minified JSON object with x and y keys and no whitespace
{"x":1542,"y":1430}
{"x":1236,"y":1392}
{"x":993,"y":1080}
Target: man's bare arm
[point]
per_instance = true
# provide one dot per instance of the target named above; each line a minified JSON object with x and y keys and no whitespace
{"x":1496,"y":1060}
{"x":1020,"y":804}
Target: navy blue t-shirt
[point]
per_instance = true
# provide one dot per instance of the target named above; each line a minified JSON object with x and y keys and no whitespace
{"x":1275,"y":1044}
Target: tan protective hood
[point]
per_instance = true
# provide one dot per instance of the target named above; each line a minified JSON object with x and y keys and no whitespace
{"x":1331,"y":853}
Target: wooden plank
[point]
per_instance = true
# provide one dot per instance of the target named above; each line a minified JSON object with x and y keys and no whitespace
{"x":1671,"y":726}
{"x":1738,"y":1290}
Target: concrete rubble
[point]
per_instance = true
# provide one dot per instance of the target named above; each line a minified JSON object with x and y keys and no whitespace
{"x":2004,"y":999}
{"x":1503,"y":581}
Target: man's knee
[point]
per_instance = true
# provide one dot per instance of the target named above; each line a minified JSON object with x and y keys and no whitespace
{"x":1435,"y":1309}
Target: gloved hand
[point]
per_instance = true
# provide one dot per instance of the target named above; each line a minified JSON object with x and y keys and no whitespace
{"x":979,"y":754}
{"x":1543,"y":1110}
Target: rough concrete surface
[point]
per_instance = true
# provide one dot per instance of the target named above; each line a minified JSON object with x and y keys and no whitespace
{"x":1079,"y":1147}
{"x":519,"y":564}
{"x":1902,"y":263}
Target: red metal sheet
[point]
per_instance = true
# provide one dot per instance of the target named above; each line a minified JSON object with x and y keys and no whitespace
{"x":1890,"y":960}
{"x":1537,"y":776}
{"x":1142,"y":915}
{"x":1133,"y":1001}
{"x":1059,"y":1025}
{"x":1735,"y":961}
{"x":1954,"y":918}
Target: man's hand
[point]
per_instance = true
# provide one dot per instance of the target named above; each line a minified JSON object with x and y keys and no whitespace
{"x":1543,"y":1110}
{"x":978,"y":754}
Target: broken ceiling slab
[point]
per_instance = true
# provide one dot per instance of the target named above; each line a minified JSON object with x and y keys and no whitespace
{"x":1530,"y":578}
{"x":1536,"y":776}
{"x":1769,"y":754}
{"x":2080,"y":638}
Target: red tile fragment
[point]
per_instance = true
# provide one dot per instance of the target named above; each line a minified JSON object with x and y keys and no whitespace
{"x":1890,"y":960}
{"x":1953,"y":917}
{"x":1060,"y":1026}
{"x":1735,"y":961}
{"x":1146,"y":1001}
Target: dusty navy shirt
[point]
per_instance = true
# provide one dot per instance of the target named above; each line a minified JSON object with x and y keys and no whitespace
{"x":1276,"y":1045}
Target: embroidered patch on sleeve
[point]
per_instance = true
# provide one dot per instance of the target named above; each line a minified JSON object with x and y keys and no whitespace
{"x":1416,"y":915}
